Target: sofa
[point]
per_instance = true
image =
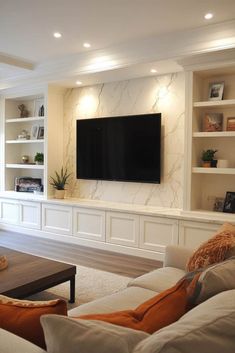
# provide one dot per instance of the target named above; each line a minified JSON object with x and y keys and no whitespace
{"x":210,"y":326}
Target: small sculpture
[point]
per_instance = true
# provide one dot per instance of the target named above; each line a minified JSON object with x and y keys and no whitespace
{"x":24,"y":135}
{"x":3,"y":262}
{"x":24,"y":113}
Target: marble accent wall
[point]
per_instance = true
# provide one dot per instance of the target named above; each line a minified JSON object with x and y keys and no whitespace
{"x":164,"y":94}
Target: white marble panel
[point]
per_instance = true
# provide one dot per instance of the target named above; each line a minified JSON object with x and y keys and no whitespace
{"x":164,"y":94}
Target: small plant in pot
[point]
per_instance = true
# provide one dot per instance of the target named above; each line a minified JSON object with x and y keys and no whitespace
{"x":208,"y":158}
{"x":59,"y":181}
{"x":39,"y":158}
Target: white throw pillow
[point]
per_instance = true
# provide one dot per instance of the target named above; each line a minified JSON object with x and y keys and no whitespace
{"x":209,"y":327}
{"x":67,"y":335}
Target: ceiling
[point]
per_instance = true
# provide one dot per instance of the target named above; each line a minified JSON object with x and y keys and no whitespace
{"x":127,"y":37}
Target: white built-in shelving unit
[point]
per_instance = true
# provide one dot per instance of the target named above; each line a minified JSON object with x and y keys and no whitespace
{"x":203,"y":185}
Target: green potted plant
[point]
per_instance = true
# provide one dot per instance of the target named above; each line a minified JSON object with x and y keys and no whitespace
{"x":39,"y":158}
{"x":208,"y":158}
{"x":59,"y":181}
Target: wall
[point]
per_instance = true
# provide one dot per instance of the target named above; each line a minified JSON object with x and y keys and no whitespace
{"x":164,"y":94}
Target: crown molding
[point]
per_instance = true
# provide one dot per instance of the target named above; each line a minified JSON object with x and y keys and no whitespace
{"x":16,"y":62}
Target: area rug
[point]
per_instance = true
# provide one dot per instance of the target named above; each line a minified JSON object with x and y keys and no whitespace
{"x":91,"y":284}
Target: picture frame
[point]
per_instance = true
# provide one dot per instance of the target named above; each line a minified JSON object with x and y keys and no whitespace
{"x":38,"y":104}
{"x":34,"y":132}
{"x":230,"y":124}
{"x":212,"y":122}
{"x":27,"y":184}
{"x":40,"y":133}
{"x":216,"y":91}
{"x":229,"y":203}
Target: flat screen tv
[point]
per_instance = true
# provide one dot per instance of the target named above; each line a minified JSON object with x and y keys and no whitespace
{"x":124,"y":148}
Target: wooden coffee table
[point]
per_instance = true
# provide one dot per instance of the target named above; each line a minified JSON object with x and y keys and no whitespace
{"x":27,"y":274}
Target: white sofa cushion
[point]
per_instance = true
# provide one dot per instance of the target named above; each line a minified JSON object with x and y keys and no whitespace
{"x":10,"y":343}
{"x":158,"y":280}
{"x":66,"y":335}
{"x":129,"y":298}
{"x":209,"y":327}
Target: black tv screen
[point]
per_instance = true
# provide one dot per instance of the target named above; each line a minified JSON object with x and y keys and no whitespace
{"x":124,"y":148}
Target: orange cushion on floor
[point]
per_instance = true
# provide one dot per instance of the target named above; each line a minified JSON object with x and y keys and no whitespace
{"x":22,"y":317}
{"x":159,"y":311}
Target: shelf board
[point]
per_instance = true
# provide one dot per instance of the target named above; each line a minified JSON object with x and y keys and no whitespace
{"x":23,"y":120}
{"x":24,"y":141}
{"x":222,"y":103}
{"x":24,"y":166}
{"x":215,"y":134}
{"x":21,"y":195}
{"x":202,"y":170}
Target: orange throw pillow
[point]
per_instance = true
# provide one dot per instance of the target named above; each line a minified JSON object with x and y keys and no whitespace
{"x":22,"y":317}
{"x":159,"y":311}
{"x":215,"y":250}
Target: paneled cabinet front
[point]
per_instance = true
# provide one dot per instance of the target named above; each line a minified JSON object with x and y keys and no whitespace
{"x":157,"y":232}
{"x":30,"y":214}
{"x":57,"y":219}
{"x":122,"y":228}
{"x":9,"y":211}
{"x":192,"y":234}
{"x":89,"y":224}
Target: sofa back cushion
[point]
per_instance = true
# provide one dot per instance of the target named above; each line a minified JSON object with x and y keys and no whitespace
{"x":66,"y":335}
{"x":209,"y":327}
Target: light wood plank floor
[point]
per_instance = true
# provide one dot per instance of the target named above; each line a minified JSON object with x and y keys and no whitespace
{"x":125,"y":265}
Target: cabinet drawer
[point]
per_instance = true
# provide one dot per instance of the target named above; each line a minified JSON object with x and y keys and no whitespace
{"x":57,"y":219}
{"x":89,"y":224}
{"x":156,"y":233}
{"x":122,"y":229}
{"x":192,"y":234}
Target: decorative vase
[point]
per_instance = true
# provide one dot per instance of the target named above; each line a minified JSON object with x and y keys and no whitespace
{"x":25,"y":159}
{"x":39,"y":163}
{"x":59,"y":194}
{"x":214,"y":163}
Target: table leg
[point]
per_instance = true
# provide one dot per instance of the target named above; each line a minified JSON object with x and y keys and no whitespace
{"x":72,"y":290}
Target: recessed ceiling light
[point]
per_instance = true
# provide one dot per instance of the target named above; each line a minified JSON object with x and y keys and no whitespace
{"x":208,"y":16}
{"x":86,"y":45}
{"x":153,"y":71}
{"x":78,"y":82}
{"x":57,"y":35}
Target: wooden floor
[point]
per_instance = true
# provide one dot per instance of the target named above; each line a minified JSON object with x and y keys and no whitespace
{"x":125,"y":265}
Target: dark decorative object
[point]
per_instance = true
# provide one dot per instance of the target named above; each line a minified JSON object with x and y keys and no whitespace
{"x":24,"y":113}
{"x":229,"y":203}
{"x":27,"y":184}
{"x":41,"y":111}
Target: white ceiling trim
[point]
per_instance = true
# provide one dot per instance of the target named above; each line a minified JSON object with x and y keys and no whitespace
{"x":168,"y":46}
{"x":16,"y":62}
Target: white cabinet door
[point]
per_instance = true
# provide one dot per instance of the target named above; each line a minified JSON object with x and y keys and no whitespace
{"x":192,"y":234}
{"x":89,"y":224}
{"x":30,"y":214}
{"x":122,"y":228}
{"x":57,"y":219}
{"x":9,"y":211}
{"x":156,"y":233}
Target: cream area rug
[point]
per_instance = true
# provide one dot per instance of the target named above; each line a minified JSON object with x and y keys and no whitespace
{"x":90,"y":284}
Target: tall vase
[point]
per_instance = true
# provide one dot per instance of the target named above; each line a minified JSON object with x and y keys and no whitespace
{"x":59,"y":194}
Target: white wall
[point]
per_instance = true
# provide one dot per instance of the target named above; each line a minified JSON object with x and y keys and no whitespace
{"x":164,"y":94}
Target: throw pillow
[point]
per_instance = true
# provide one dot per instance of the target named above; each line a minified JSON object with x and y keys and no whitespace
{"x":209,"y":327}
{"x":66,"y":335}
{"x":22,"y":317}
{"x":216,"y":249}
{"x":157,"y":312}
{"x":215,"y":279}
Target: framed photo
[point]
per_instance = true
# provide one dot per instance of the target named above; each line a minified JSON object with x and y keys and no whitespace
{"x":212,"y":122}
{"x":39,"y":107}
{"x":40,"y":132}
{"x":34,"y":132}
{"x":229,"y":203}
{"x":218,"y":204}
{"x":231,"y":124}
{"x":216,"y":90}
{"x":28,"y":184}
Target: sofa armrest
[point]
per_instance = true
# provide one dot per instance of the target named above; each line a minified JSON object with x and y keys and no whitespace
{"x":177,"y":256}
{"x":10,"y":343}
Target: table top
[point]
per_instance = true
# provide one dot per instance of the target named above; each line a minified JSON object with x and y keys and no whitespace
{"x":28,"y":273}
